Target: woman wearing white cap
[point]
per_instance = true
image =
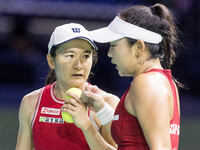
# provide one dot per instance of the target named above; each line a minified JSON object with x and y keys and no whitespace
{"x":142,"y":41}
{"x":71,"y":55}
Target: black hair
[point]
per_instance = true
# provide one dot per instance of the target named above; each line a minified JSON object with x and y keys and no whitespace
{"x":156,"y":18}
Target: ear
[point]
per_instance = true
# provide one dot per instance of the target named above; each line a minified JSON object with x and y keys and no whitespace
{"x":50,"y":61}
{"x":140,"y":47}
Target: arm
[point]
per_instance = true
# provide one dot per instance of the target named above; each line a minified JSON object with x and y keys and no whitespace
{"x":111,"y":100}
{"x":105,"y":131}
{"x":151,"y":104}
{"x":24,"y":139}
{"x":95,"y":140}
{"x":106,"y":134}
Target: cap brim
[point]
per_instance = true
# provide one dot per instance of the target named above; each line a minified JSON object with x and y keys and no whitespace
{"x":104,"y":35}
{"x":90,"y":42}
{"x":78,"y":37}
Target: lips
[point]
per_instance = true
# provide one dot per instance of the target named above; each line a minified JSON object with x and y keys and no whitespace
{"x":115,"y":65}
{"x":77,"y":75}
{"x":112,"y":62}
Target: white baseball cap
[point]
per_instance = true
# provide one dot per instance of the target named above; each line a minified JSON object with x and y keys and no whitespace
{"x":119,"y":29}
{"x":68,"y":32}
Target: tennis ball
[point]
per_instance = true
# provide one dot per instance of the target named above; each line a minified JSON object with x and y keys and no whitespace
{"x":66,"y":116}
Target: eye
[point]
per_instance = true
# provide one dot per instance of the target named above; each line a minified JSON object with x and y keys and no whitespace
{"x":85,"y":56}
{"x":112,"y":46}
{"x":69,"y":55}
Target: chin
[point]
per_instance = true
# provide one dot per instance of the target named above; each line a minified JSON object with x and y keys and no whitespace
{"x":124,"y":74}
{"x":77,"y":83}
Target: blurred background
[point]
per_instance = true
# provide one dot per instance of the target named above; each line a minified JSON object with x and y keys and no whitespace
{"x":25,"y":29}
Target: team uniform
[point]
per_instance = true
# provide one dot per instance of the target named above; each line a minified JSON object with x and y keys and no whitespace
{"x":50,"y":132}
{"x":126,"y":130}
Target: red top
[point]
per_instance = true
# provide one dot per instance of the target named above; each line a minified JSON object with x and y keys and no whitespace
{"x":50,"y":132}
{"x":126,"y":130}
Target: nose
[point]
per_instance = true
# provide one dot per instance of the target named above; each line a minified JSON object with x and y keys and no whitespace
{"x":109,"y":53}
{"x":77,"y":65}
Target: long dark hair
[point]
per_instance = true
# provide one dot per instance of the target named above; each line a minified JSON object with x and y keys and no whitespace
{"x":51,"y":77}
{"x":159,"y":19}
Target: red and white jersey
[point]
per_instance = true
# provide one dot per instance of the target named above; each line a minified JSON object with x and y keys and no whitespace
{"x":50,"y":132}
{"x":126,"y":130}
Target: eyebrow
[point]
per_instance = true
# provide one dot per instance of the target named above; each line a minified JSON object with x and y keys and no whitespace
{"x":112,"y":43}
{"x":66,"y":51}
{"x":88,"y":51}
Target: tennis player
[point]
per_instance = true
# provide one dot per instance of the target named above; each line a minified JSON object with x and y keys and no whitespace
{"x":71,"y":55}
{"x":142,"y":41}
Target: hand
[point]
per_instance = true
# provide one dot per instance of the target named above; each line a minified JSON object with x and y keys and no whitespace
{"x":77,"y":110}
{"x":94,"y":89}
{"x":93,"y":97}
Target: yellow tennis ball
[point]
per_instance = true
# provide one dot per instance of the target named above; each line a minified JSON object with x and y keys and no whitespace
{"x":77,"y":91}
{"x":66,"y":116}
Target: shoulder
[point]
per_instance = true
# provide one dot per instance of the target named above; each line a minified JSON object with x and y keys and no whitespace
{"x":28,"y":104}
{"x":150,"y":82}
{"x":31,"y":98}
{"x":150,"y":88}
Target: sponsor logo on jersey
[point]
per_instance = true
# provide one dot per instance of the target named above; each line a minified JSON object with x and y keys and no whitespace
{"x":51,"y":120}
{"x":50,"y":111}
{"x":174,"y":129}
{"x":116,"y":117}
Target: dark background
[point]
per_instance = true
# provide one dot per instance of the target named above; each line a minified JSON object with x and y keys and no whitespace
{"x":25,"y":29}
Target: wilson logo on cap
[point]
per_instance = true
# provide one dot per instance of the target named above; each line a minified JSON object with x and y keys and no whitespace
{"x":76,"y":30}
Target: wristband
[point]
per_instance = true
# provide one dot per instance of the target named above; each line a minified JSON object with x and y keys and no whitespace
{"x":105,"y":114}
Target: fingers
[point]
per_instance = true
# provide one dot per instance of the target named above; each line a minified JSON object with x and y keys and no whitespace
{"x":92,"y":88}
{"x":68,"y":107}
{"x":74,"y":96}
{"x":89,"y":95}
{"x":73,"y":102}
{"x":72,"y":105}
{"x":74,"y":108}
{"x":85,"y":99}
{"x":93,"y":100}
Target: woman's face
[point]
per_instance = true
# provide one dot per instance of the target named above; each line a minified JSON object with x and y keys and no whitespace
{"x":73,"y":62}
{"x":123,"y":56}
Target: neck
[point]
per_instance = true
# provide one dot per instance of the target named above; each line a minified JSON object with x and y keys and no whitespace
{"x":61,"y":89}
{"x":148,"y":65}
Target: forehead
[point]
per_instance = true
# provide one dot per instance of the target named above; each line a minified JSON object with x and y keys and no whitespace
{"x":76,"y":43}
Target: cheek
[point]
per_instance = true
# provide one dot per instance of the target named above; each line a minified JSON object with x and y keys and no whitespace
{"x":118,"y":54}
{"x":62,"y":68}
{"x":88,"y":66}
{"x":123,"y":63}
